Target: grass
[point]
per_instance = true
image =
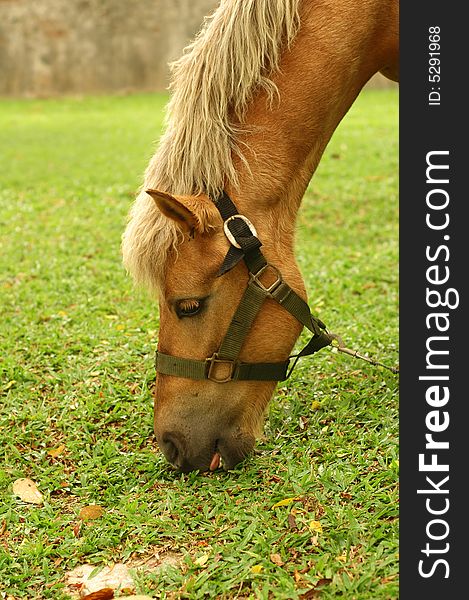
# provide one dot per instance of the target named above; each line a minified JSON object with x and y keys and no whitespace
{"x":77,"y":347}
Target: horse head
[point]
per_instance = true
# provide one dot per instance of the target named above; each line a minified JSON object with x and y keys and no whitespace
{"x":199,"y":421}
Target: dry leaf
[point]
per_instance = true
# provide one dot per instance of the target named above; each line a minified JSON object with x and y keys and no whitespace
{"x":88,"y":513}
{"x":277,"y":559}
{"x":311,"y":594}
{"x":292,"y":521}
{"x":28,"y":491}
{"x":256,"y":569}
{"x":104,"y":594}
{"x":54,"y":452}
{"x":202,"y":560}
{"x":315,"y":526}
{"x":342,"y":558}
{"x":286,"y":501}
{"x":323,"y":581}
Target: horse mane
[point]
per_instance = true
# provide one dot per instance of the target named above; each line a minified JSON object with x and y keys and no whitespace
{"x":232,"y":57}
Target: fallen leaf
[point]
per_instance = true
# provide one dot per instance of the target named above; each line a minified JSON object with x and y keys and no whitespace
{"x":3,"y":527}
{"x":256,"y":569}
{"x":297,"y":576}
{"x":311,"y":594}
{"x":315,"y":526}
{"x":314,"y":593}
{"x":104,"y":594}
{"x":88,"y":513}
{"x":286,"y":501}
{"x":54,"y":452}
{"x":323,"y":581}
{"x":342,"y":558}
{"x":276,"y":559}
{"x":27,"y":491}
{"x":202,"y":560}
{"x":292,"y":521}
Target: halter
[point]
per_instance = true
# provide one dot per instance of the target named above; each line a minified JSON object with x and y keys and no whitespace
{"x":265,"y":281}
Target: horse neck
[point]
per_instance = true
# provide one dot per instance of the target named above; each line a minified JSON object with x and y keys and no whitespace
{"x":336,"y":51}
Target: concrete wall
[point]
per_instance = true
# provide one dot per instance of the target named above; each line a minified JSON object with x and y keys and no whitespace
{"x":50,"y":47}
{"x":54,"y":47}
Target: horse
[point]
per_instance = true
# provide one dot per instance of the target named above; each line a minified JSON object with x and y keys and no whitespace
{"x":254,"y":100}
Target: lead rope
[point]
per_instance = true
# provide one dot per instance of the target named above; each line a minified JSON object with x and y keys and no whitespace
{"x":338,"y":344}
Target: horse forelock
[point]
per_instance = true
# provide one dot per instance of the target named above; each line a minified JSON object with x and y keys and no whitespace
{"x":237,"y":50}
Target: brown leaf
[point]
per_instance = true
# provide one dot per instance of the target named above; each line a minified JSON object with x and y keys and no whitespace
{"x":311,"y":594}
{"x":104,"y":594}
{"x":275,"y":478}
{"x":323,"y":581}
{"x":88,"y":513}
{"x":27,"y":491}
{"x":292,"y":521}
{"x":54,"y":452}
{"x":276,"y":559}
{"x":314,"y":593}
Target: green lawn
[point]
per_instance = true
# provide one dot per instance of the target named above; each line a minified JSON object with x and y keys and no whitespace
{"x":76,"y":361}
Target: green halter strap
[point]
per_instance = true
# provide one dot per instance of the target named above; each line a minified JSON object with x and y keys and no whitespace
{"x":223,"y":365}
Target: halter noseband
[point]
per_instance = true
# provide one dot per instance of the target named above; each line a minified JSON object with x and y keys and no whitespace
{"x":223,"y":365}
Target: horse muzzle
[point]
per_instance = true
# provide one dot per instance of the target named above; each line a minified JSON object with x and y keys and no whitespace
{"x":189,"y":452}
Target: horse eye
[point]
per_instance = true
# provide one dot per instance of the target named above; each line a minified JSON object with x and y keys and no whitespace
{"x":188,"y":308}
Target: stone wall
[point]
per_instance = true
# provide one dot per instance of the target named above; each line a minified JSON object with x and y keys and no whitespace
{"x":50,"y":47}
{"x":55,"y":47}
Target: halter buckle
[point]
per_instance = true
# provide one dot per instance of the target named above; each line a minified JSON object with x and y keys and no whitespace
{"x":219,"y":370}
{"x":268,"y":289}
{"x":230,"y":236}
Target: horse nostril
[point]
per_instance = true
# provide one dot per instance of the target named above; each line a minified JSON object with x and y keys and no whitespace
{"x":171,"y":447}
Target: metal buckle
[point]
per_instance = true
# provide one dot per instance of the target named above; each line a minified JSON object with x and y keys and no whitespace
{"x":228,"y":233}
{"x":255,"y":277}
{"x":213,"y":363}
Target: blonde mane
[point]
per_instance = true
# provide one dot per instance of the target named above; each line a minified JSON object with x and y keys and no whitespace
{"x":232,"y":57}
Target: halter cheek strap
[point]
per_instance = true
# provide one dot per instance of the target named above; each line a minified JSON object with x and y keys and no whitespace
{"x":265,"y":281}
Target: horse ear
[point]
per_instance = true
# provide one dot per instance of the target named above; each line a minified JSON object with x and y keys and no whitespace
{"x":191,"y":213}
{"x":172,"y":208}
